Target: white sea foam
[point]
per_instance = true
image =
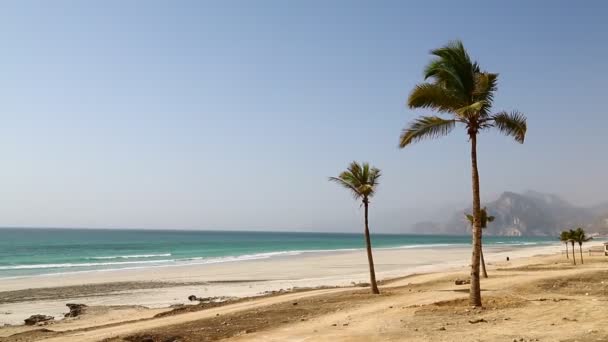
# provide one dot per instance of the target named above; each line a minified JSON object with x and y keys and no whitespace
{"x":161,"y":262}
{"x":426,"y":246}
{"x":87,"y":264}
{"x":138,"y":264}
{"x":135,"y":256}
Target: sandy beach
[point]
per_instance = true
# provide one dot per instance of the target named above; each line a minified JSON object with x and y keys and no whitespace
{"x":162,"y":287}
{"x":411,"y":277}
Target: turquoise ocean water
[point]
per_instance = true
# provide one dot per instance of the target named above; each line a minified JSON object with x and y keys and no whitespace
{"x":30,"y":252}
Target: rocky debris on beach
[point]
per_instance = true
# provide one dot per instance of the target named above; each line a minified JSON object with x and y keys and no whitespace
{"x":552,"y":299}
{"x":273,"y":292}
{"x":298,"y":289}
{"x":206,"y":300}
{"x":480,"y":320}
{"x":360,"y":284}
{"x":75,"y":310}
{"x":37,"y":319}
{"x":462,"y":281}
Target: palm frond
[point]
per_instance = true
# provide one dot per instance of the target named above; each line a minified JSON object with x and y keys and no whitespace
{"x":453,"y":67}
{"x":580,"y":236}
{"x":444,"y":75}
{"x":347,"y":185}
{"x":426,"y":127}
{"x":471,"y":110}
{"x":511,"y":124}
{"x":360,"y":179}
{"x":434,"y":96}
{"x":484,"y":218}
{"x":485,"y":86}
{"x":373,"y":177}
{"x":469,"y":218}
{"x":564,"y":236}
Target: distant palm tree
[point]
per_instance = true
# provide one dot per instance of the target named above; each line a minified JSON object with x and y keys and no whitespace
{"x":580,"y":237}
{"x":564,"y":237}
{"x":484,"y":224}
{"x":571,"y":237}
{"x":460,"y":88}
{"x":362,"y":180}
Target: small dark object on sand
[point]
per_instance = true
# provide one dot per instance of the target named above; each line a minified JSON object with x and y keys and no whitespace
{"x":75,"y":309}
{"x":462,"y":282}
{"x":475,"y":321}
{"x":35,"y":319}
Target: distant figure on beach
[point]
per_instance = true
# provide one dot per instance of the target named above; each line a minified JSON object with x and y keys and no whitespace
{"x":507,"y":258}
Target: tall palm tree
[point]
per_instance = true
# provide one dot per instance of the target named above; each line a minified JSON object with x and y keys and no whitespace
{"x":484,"y":224}
{"x":563,"y":237}
{"x":571,"y":237}
{"x":362,"y":180}
{"x":580,"y":237}
{"x":458,"y":87}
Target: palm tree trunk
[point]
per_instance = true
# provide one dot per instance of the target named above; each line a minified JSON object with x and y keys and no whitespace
{"x":483,"y":265}
{"x":580,"y":246}
{"x":573,"y":253}
{"x":475,"y":292}
{"x":370,"y":258}
{"x":567,"y":252}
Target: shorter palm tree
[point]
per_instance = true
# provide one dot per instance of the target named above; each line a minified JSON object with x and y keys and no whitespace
{"x":484,"y":224}
{"x":563,"y":237}
{"x":362,"y":180}
{"x":571,"y":235}
{"x":580,"y":237}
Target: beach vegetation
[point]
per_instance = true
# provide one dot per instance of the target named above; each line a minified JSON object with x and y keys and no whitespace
{"x":362,"y":181}
{"x":571,"y":236}
{"x":580,"y":237}
{"x":455,"y":86}
{"x":565,"y":238}
{"x":485,"y":218}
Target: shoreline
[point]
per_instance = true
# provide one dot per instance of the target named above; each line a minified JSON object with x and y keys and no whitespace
{"x":203,"y":261}
{"x":161,"y":288}
{"x":7,"y":283}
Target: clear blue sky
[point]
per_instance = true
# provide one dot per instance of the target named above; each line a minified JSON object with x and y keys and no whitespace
{"x":231,"y":115}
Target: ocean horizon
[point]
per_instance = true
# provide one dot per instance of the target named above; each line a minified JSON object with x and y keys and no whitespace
{"x":42,"y":251}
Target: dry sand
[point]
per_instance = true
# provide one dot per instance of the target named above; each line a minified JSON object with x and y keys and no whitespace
{"x":529,"y":298}
{"x":166,"y":286}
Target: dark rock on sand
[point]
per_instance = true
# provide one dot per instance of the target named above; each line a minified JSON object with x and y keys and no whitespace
{"x":75,"y":309}
{"x":207,"y":300}
{"x":480,"y":320}
{"x":35,"y":319}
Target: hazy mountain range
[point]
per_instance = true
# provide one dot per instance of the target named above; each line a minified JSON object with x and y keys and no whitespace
{"x":528,"y":214}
